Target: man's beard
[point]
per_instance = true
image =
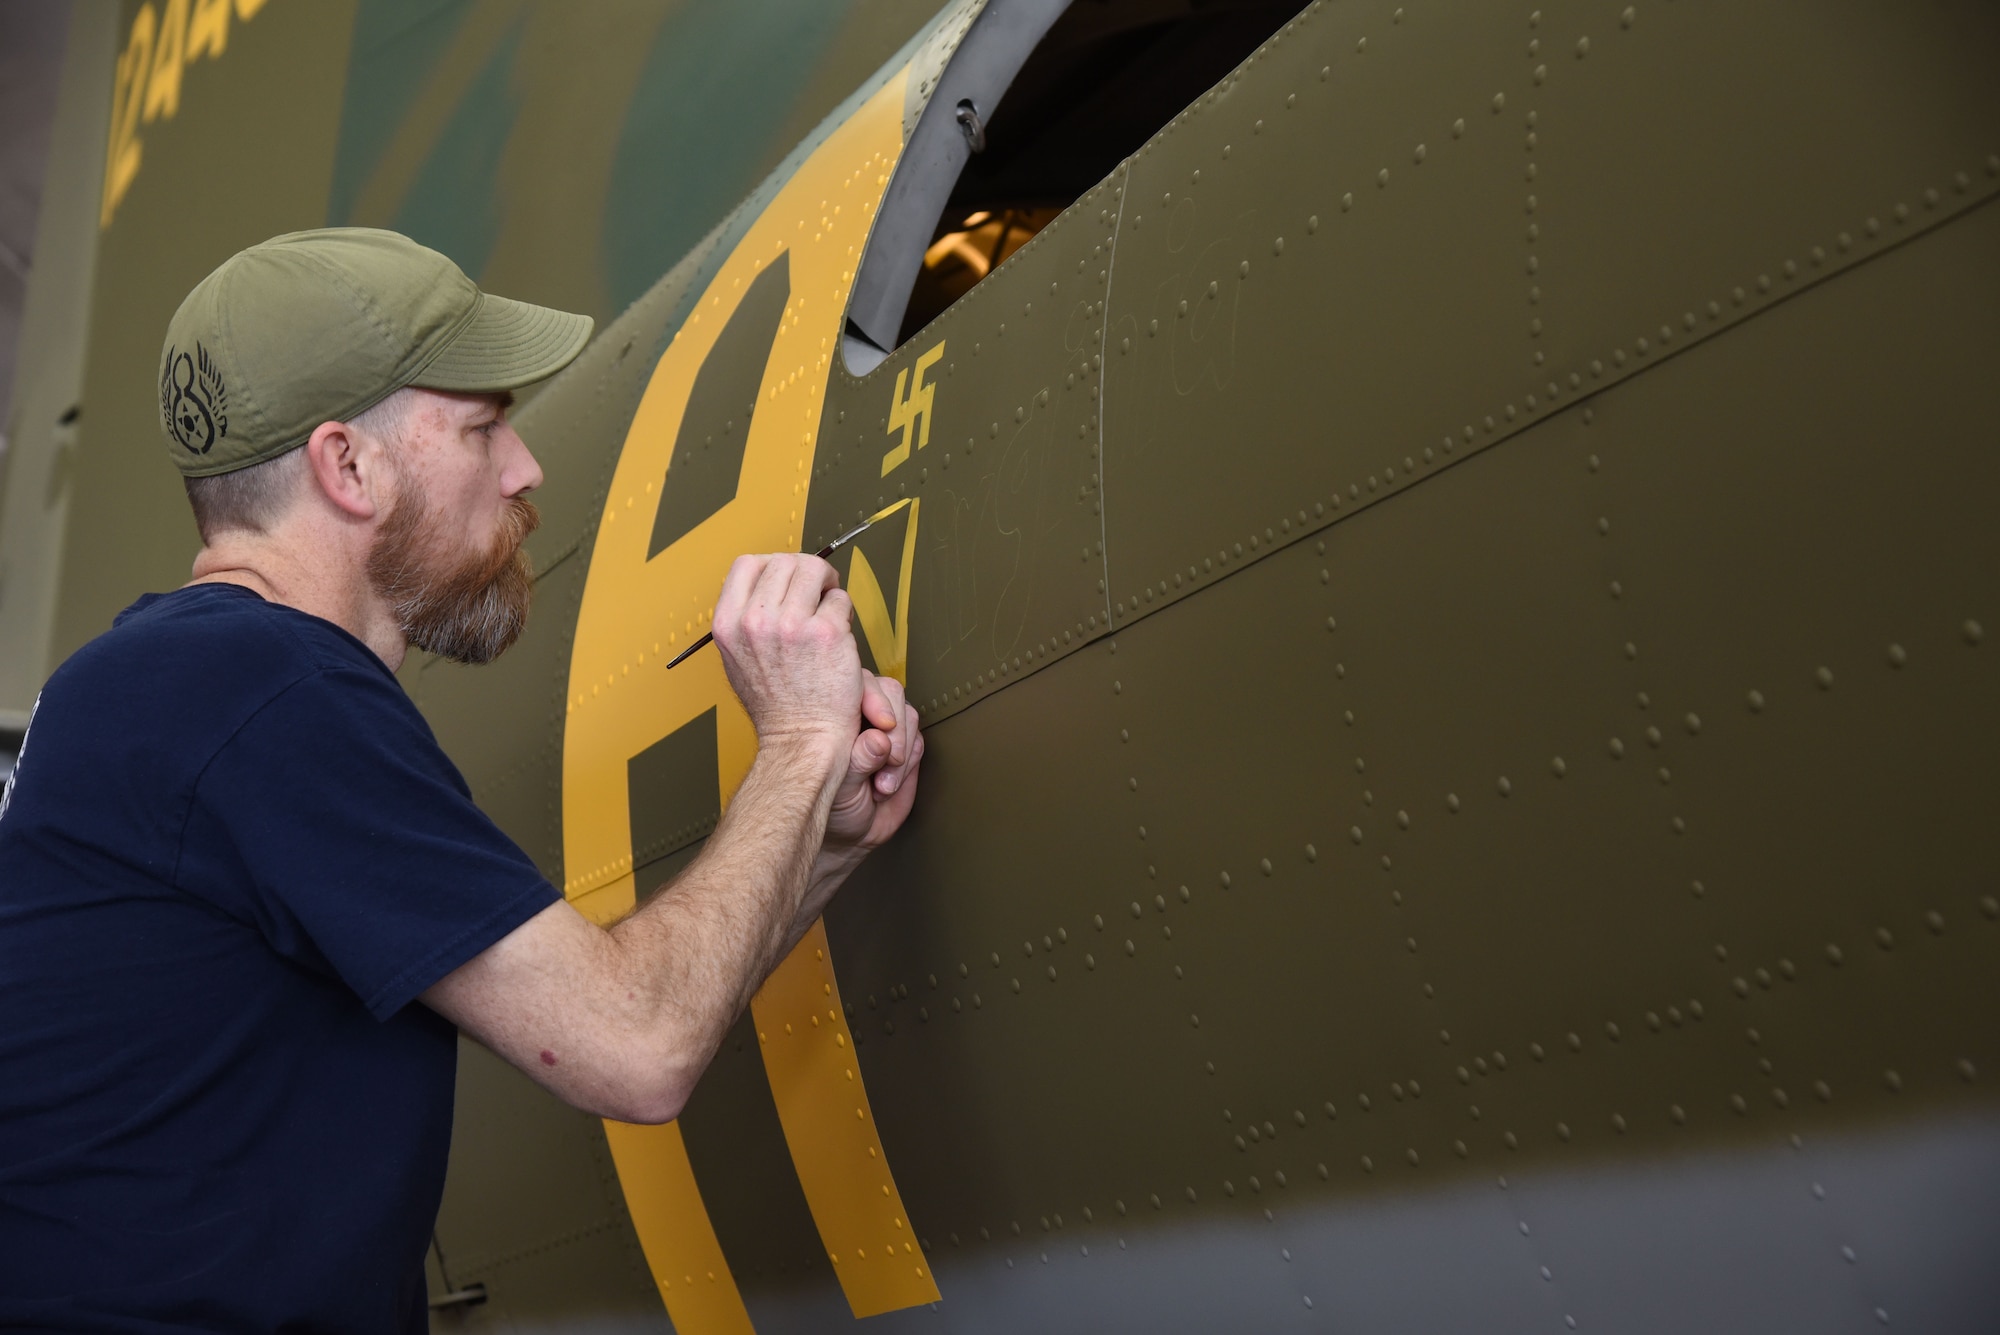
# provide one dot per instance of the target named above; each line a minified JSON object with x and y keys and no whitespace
{"x":467,"y":606}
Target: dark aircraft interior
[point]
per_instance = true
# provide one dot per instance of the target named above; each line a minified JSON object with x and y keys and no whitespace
{"x":1106,"y":76}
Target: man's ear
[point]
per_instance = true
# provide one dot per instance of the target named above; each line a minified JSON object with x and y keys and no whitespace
{"x":347,"y":468}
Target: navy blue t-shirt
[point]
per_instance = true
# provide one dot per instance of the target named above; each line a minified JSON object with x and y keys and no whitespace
{"x":231,"y":854}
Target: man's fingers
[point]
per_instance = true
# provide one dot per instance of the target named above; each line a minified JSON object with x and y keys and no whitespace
{"x":794,"y":588}
{"x":783,"y":627}
{"x":890,"y":747}
{"x":811,"y":578}
{"x":876,"y":709}
{"x":906,"y":722}
{"x":737,"y":585}
{"x":870,"y":752}
{"x":910,"y":750}
{"x":892,"y":780}
{"x":836,"y":608}
{"x":773,"y":583}
{"x":884,"y":707}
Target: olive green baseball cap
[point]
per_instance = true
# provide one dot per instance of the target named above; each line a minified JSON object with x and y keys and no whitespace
{"x":319,"y":326}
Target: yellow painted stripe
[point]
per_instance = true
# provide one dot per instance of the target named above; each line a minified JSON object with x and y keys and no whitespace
{"x":662,"y":1196}
{"x":816,"y":1082}
{"x":636,"y":612}
{"x":888,"y":636}
{"x":673,"y":1227}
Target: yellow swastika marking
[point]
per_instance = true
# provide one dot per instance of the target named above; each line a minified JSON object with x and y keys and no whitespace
{"x":911,"y":414}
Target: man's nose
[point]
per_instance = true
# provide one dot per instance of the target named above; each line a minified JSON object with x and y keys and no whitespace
{"x":522,"y":473}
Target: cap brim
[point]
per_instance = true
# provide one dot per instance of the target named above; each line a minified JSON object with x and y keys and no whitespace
{"x":506,"y":344}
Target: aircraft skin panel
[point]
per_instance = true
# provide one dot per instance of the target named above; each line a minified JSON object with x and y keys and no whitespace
{"x":1010,"y":553}
{"x":1426,"y":980}
{"x":1538,"y":884}
{"x":534,"y":1210}
{"x":815,"y":226}
{"x":520,"y":785}
{"x":598,"y":397}
{"x":1457,"y":1256}
{"x":1251,"y":371}
{"x":1214,"y":460}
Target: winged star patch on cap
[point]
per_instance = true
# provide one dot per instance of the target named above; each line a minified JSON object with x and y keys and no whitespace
{"x":320,"y":326}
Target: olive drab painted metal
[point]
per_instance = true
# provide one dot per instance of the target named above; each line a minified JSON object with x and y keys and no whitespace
{"x":1011,"y":571}
{"x":1449,"y":593}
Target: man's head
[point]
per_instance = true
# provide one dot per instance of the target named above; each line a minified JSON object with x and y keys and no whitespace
{"x":344,"y":392}
{"x":445,"y":558}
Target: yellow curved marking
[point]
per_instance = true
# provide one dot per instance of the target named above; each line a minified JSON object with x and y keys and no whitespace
{"x":809,"y":1055}
{"x":661,"y":1194}
{"x":636,"y":613}
{"x":666,"y":1209}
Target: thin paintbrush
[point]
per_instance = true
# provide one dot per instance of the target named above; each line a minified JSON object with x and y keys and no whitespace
{"x":822,"y":554}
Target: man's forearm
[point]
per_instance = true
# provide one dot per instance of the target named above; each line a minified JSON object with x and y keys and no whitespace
{"x":830,"y":869}
{"x":622,"y":1022}
{"x":696,"y":952}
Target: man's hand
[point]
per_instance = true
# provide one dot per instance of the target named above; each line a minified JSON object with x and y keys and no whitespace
{"x":782,"y":626}
{"x":874,"y":796}
{"x":621,"y":1022}
{"x":881,"y":782}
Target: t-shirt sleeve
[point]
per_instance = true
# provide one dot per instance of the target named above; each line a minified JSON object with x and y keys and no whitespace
{"x":360,"y":846}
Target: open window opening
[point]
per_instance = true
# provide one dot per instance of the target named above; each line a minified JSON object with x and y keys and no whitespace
{"x":1041,"y":101}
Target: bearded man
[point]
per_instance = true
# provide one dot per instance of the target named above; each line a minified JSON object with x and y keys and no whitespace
{"x":247,"y":903}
